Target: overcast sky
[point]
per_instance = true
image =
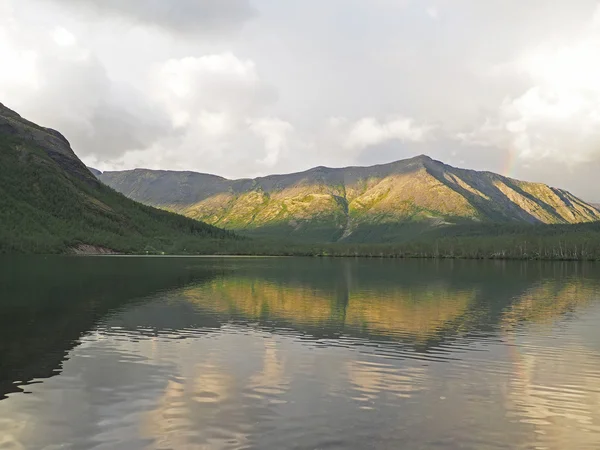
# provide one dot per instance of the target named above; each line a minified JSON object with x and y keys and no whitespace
{"x":251,"y":87}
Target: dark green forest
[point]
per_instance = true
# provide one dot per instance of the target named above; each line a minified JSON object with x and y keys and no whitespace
{"x":539,"y":242}
{"x":44,"y":209}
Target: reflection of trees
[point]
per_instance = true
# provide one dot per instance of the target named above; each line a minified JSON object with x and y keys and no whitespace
{"x":48,"y":303}
{"x":199,"y":384}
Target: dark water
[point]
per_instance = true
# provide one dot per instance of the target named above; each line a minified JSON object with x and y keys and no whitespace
{"x":200,"y":353}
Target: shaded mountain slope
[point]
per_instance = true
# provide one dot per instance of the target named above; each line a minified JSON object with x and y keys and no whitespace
{"x":50,"y":202}
{"x":354,"y":204}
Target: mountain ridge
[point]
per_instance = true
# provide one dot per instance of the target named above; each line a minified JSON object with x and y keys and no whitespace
{"x":333,"y":204}
{"x":421,"y":157}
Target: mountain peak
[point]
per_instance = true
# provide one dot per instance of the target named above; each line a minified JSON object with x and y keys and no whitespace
{"x":422,"y":157}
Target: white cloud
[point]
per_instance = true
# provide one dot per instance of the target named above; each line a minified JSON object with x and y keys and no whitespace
{"x":214,"y":124}
{"x":217,"y":83}
{"x":370,"y":131}
{"x":63,"y":37}
{"x":52,"y":79}
{"x":275,"y":134}
{"x":216,"y":103}
{"x":18,"y":71}
{"x":558,"y":116}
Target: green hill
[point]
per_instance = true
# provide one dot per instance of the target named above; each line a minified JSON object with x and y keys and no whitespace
{"x":389,"y":202}
{"x":51,"y":203}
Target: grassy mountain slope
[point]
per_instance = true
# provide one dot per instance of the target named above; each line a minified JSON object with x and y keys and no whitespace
{"x":396,"y":201}
{"x":50,"y":202}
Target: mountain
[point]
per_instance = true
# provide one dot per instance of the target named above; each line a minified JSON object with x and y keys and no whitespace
{"x":395,"y":201}
{"x":50,"y":202}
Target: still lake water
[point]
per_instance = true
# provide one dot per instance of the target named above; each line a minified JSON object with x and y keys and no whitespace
{"x":270,"y":353}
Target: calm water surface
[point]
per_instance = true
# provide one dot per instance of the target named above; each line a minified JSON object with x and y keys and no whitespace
{"x":209,"y":353}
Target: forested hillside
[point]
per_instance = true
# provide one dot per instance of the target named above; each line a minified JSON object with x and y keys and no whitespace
{"x":51,"y":203}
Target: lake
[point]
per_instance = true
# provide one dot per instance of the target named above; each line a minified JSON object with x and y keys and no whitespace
{"x":278,"y":353}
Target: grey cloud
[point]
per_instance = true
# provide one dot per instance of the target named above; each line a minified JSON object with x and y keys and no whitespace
{"x":64,"y":85}
{"x":217,"y":83}
{"x":185,"y":16}
{"x":99,"y":116}
{"x":119,"y":127}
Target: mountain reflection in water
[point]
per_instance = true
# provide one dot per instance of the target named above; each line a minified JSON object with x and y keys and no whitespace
{"x":298,"y":353}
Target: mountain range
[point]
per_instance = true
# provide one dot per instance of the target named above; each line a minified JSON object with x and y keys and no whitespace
{"x":388,"y":202}
{"x":51,"y":203}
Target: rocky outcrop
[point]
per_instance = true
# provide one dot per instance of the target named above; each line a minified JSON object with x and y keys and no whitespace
{"x":86,"y":249}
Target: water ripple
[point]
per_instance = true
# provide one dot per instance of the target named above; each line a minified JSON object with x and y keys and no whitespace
{"x":290,"y":355}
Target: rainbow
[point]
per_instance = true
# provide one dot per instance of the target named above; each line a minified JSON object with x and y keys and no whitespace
{"x":510,"y":163}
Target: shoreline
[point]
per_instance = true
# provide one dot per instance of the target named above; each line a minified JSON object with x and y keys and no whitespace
{"x":446,"y":258}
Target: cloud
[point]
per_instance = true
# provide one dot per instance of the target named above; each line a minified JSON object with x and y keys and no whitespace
{"x":370,"y":131}
{"x":558,"y":116}
{"x":181,"y":16}
{"x":165,"y":84}
{"x":63,"y":37}
{"x":59,"y":83}
{"x":18,"y":71}
{"x":221,"y":85}
{"x":216,"y":104}
{"x":275,"y":133}
{"x":182,"y":111}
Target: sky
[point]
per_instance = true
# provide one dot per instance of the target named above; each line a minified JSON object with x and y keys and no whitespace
{"x":244,"y":88}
